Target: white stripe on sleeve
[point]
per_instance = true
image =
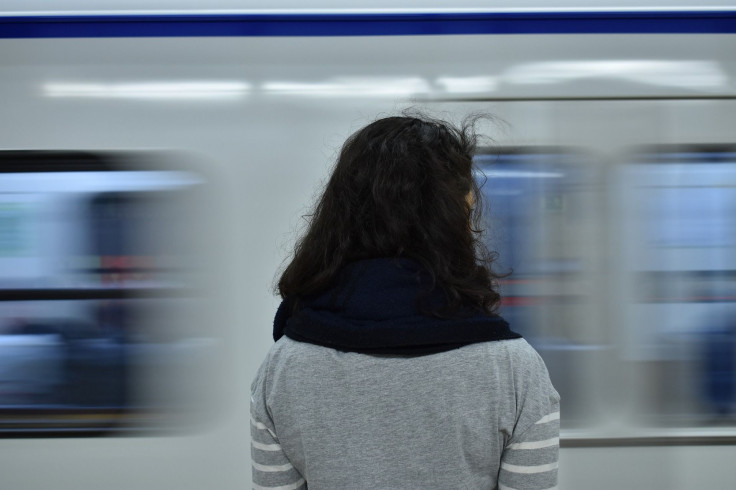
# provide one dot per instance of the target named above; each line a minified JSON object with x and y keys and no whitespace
{"x":273,"y":468}
{"x":266,"y":447}
{"x":290,"y":486}
{"x":540,"y":468}
{"x":501,"y":486}
{"x":260,"y":426}
{"x":554,"y":441}
{"x":549,"y":418}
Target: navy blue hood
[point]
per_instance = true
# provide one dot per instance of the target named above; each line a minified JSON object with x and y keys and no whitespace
{"x":375,"y":307}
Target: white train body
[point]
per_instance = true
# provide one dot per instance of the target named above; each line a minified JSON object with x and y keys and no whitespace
{"x":264,"y":113}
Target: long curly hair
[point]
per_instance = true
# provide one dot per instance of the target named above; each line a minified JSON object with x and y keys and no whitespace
{"x":402,"y":187}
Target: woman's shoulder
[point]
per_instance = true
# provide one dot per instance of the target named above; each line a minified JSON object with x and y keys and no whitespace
{"x":514,"y":352}
{"x":518,"y":350}
{"x":511,"y":363}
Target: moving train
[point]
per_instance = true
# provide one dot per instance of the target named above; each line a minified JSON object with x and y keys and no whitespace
{"x":157,"y":160}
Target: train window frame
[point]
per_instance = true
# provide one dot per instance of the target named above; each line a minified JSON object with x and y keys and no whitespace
{"x":623,"y":400}
{"x":590,"y":168}
{"x":59,"y":420}
{"x":634,"y":434}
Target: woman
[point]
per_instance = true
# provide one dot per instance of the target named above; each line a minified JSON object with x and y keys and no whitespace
{"x":391,"y":369}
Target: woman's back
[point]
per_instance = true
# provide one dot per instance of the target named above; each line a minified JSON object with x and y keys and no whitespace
{"x":348,"y":420}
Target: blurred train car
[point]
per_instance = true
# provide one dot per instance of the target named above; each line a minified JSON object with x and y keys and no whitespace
{"x":156,"y":160}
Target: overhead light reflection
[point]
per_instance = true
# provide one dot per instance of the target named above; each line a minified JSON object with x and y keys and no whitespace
{"x":351,"y":87}
{"x":521,"y":174}
{"x":191,"y":90}
{"x":39,"y":182}
{"x":468,"y":85}
{"x":682,"y":74}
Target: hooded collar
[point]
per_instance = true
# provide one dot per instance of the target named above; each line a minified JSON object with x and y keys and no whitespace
{"x":372,"y":308}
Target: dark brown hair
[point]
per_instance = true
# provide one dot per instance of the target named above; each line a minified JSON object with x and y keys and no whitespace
{"x":399,"y":189}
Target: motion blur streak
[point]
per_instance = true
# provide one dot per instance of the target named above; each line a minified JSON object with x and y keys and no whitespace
{"x":675,"y":277}
{"x":351,"y":87}
{"x":683,"y":74}
{"x":468,"y":85}
{"x":174,"y":90}
{"x":138,"y":303}
{"x":100,"y":309}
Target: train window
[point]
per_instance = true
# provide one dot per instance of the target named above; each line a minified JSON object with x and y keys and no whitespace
{"x":542,"y":222}
{"x":679,"y":249}
{"x":100,"y":319}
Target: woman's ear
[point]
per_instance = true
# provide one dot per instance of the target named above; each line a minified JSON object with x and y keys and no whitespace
{"x":470,"y":199}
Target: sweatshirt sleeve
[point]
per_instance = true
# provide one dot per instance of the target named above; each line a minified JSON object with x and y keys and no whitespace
{"x":271,"y":468}
{"x":529,"y":460}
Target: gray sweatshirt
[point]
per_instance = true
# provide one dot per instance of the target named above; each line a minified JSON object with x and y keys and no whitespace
{"x":483,"y":416}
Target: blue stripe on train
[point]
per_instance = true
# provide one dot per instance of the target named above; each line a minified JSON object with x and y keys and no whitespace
{"x":396,"y":24}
